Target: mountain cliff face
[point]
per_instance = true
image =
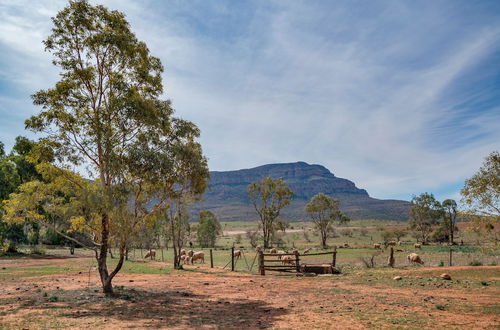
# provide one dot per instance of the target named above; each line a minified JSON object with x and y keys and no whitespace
{"x":227,"y":193}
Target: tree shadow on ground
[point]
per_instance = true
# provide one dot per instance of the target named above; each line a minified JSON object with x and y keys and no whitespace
{"x":141,"y":308}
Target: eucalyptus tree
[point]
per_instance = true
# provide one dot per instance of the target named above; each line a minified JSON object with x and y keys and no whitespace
{"x":105,"y":115}
{"x":269,"y":196}
{"x":324,"y":211}
{"x":450,"y":213}
{"x":481,"y":196}
{"x":208,"y":229}
{"x":481,"y":193}
{"x":425,"y":211}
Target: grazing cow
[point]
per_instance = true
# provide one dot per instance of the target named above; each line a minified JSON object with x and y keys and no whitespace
{"x":198,"y":256}
{"x":237,"y":254}
{"x":182,"y":252}
{"x":391,"y":243}
{"x":346,"y":245}
{"x":417,"y":246}
{"x":280,"y":254}
{"x":190,"y":253}
{"x":273,"y":250}
{"x":151,"y":254}
{"x":258,"y":248}
{"x":377,"y":246}
{"x":414,"y":258}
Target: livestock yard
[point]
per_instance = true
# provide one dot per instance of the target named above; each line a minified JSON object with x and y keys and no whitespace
{"x":61,"y":290}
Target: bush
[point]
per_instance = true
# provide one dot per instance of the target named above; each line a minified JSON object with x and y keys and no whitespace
{"x":37,"y":250}
{"x":9,"y":248}
{"x":441,"y":307}
{"x":475,"y":263}
{"x":441,"y":263}
{"x":345,"y":232}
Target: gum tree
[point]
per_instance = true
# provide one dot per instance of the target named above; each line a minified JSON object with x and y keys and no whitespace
{"x":425,"y":211}
{"x":324,"y":211}
{"x":105,"y":115}
{"x":269,"y":196}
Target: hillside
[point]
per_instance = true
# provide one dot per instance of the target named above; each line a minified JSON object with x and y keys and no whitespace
{"x":227,"y":193}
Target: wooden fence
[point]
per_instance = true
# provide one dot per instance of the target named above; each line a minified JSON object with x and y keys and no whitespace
{"x":290,"y":265}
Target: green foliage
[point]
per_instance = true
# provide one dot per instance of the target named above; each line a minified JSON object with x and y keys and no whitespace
{"x":106,"y":114}
{"x":269,"y":196}
{"x":441,"y":307}
{"x":387,"y":236}
{"x":481,"y":193}
{"x":425,"y":211}
{"x":208,"y":229}
{"x":475,"y":263}
{"x":324,"y":211}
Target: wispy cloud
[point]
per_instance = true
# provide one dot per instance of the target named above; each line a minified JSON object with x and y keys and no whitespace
{"x":399,"y":97}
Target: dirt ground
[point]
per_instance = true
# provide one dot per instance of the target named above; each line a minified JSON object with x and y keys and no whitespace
{"x":200,"y":297}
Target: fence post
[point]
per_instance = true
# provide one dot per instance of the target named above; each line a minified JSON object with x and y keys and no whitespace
{"x":261,"y":263}
{"x":232,"y":259}
{"x":297,"y":265}
{"x":390,"y":262}
{"x":334,"y":256}
{"x":451,"y":251}
{"x":211,"y":259}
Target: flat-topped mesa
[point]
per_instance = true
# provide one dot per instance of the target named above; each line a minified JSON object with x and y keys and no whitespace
{"x":227,"y":193}
{"x":304,"y":179}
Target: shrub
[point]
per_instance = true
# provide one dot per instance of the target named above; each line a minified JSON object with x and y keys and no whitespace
{"x":53,"y":298}
{"x":253,"y":236}
{"x":475,"y":263}
{"x":237,"y":238}
{"x":441,"y":263}
{"x":346,"y":232}
{"x":37,"y":250}
{"x":441,"y":307}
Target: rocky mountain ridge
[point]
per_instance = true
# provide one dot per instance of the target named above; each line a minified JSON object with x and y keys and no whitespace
{"x":227,"y":193}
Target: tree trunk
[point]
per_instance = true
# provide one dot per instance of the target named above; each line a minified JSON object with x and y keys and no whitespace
{"x":323,"y":239}
{"x":107,"y":287}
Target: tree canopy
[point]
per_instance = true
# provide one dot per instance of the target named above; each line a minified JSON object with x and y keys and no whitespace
{"x":269,"y":196}
{"x":324,"y":211}
{"x":106,"y":114}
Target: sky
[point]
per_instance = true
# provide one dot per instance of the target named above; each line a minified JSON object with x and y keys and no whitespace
{"x":401,"y":97}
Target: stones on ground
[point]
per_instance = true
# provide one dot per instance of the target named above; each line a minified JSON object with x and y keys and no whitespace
{"x":445,"y":276}
{"x":397,"y":278}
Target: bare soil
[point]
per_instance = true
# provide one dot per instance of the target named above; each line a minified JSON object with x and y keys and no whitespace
{"x":200,"y":297}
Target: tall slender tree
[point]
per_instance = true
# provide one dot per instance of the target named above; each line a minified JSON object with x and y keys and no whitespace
{"x":269,"y":196}
{"x":105,"y":114}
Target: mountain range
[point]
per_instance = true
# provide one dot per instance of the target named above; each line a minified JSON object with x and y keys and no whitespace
{"x":227,"y":196}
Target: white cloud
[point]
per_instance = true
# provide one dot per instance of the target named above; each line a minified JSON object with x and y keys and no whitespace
{"x":368,"y":96}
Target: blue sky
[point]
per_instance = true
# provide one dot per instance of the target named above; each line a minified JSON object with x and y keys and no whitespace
{"x":400,"y":97}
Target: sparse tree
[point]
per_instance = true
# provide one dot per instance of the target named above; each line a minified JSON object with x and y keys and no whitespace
{"x":269,"y":196}
{"x":425,"y":212}
{"x":253,"y":236}
{"x":324,"y":211}
{"x":399,"y":234}
{"x":449,"y":218}
{"x":208,"y":229}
